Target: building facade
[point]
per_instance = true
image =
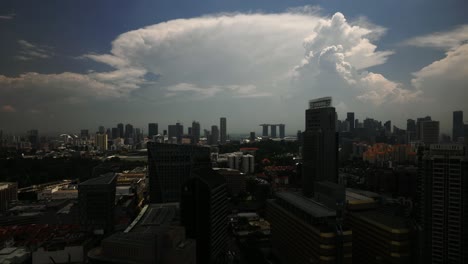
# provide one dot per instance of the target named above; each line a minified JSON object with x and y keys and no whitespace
{"x":223,"y":130}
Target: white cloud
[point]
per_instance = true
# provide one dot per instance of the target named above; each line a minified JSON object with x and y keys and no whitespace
{"x":282,"y":59}
{"x":443,"y":40}
{"x":30,"y":51}
{"x":7,"y":16}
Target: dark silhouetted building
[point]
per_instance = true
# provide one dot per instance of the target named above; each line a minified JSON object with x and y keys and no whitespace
{"x":305,"y":231}
{"x":152,"y":130}
{"x":419,"y":122}
{"x":411,"y":130}
{"x":273,"y":131}
{"x":115,"y":133}
{"x":319,"y":148}
{"x":264,"y":130}
{"x":252,"y":136}
{"x":214,"y":135}
{"x":350,"y":119}
{"x":204,"y":214}
{"x":281,"y":130}
{"x":84,"y":134}
{"x":458,"y":126}
{"x":120,"y":128}
{"x":155,"y":236}
{"x":222,"y":132}
{"x":196,"y":131}
{"x":33,"y":138}
{"x":96,"y":200}
{"x":443,"y":204}
{"x":380,"y":236}
{"x":170,"y":165}
{"x":176,"y":131}
{"x":429,"y":132}
{"x":128,"y":131}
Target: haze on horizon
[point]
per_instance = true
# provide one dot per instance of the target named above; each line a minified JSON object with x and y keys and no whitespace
{"x":67,"y":66}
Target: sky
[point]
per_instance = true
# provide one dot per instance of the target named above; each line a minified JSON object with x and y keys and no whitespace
{"x":70,"y":65}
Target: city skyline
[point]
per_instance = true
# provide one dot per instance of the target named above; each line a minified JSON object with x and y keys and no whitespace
{"x":158,"y":62}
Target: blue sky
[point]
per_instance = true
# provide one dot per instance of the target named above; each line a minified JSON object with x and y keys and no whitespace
{"x":68,"y":65}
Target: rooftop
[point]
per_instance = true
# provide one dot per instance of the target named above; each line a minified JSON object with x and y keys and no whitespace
{"x":307,"y":205}
{"x":103,"y":179}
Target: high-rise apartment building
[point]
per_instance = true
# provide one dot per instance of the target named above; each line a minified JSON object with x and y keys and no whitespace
{"x":419,"y":122}
{"x":264,"y":130}
{"x":152,"y":130}
{"x":204,"y":214}
{"x":222,"y":132}
{"x":319,"y":148}
{"x":429,"y":132}
{"x":170,"y":165}
{"x":443,"y":204}
{"x":96,"y":200}
{"x":101,"y":130}
{"x":350,"y":119}
{"x":101,"y":142}
{"x":458,"y":125}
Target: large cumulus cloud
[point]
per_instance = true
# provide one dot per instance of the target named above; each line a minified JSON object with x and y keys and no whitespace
{"x":247,"y":58}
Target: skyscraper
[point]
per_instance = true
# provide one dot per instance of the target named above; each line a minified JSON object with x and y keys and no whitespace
{"x":411,"y":130}
{"x":214,"y":135}
{"x":222,"y":132}
{"x":319,"y":148}
{"x":152,"y":130}
{"x":101,"y":130}
{"x":350,"y":119}
{"x":115,"y":133}
{"x":120,"y":128}
{"x":443,"y":204}
{"x":419,"y":122}
{"x":196,"y":131}
{"x":129,"y":131}
{"x":176,"y":131}
{"x":252,"y":136}
{"x":264,"y":130}
{"x":33,"y":137}
{"x":170,"y":165}
{"x":204,"y":214}
{"x":457,"y":130}
{"x":84,"y":134}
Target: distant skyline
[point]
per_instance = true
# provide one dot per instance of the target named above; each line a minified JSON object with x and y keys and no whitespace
{"x":71,"y":65}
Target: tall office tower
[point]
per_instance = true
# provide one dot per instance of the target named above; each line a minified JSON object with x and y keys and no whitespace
{"x":273,"y":131}
{"x":411,"y":130}
{"x":419,"y":124}
{"x":214,"y":135}
{"x":264,"y":130}
{"x":350,"y":119}
{"x":429,"y":132}
{"x":444,"y":204}
{"x":101,"y":130}
{"x":84,"y":134}
{"x":319,"y":148}
{"x":96,"y":201}
{"x":152,"y":130}
{"x":33,"y":138}
{"x":458,"y":125}
{"x":252,"y":136}
{"x":129,"y":132}
{"x":120,"y":128}
{"x":170,"y":165}
{"x":222,"y":132}
{"x":196,"y":131}
{"x":115,"y":133}
{"x":138,"y":136}
{"x":204,"y":214}
{"x":101,"y":142}
{"x":281,"y":130}
{"x":304,"y":231}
